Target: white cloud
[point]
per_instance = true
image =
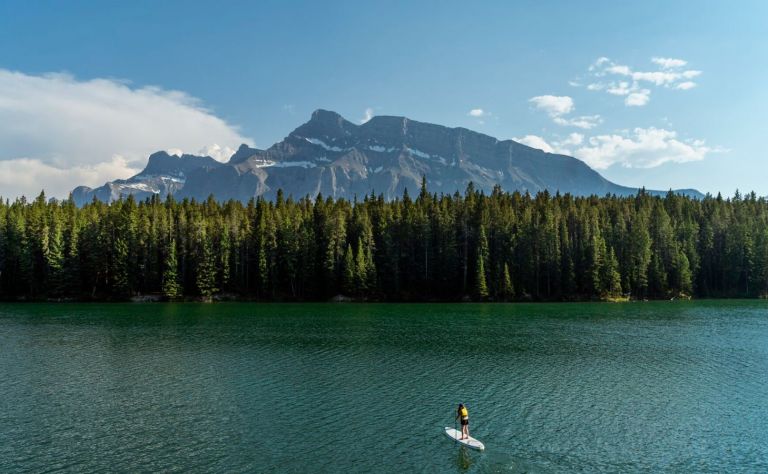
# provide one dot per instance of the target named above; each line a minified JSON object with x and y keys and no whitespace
{"x":621,"y":88}
{"x":641,"y":148}
{"x":670,"y":75}
{"x":480,"y":115}
{"x":634,"y":96}
{"x":618,"y":69}
{"x":598,"y":63}
{"x":535,"y":141}
{"x":29,"y":176}
{"x":669,"y":63}
{"x":553,"y":105}
{"x":658,"y":78}
{"x":573,"y":139}
{"x":638,"y":99}
{"x":559,"y":106}
{"x":638,"y":148}
{"x":686,"y":85}
{"x":556,"y":146}
{"x":368,"y":115}
{"x":59,"y":132}
{"x":583,"y":121}
{"x":217,"y":152}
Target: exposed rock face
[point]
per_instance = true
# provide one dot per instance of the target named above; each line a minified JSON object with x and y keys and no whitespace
{"x":335,"y":157}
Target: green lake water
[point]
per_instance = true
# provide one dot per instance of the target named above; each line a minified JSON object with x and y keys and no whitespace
{"x":636,"y":387}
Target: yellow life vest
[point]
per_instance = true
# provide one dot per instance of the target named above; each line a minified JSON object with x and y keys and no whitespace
{"x":464,"y":413}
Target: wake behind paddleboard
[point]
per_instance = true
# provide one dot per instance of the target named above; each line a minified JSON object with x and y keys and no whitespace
{"x":470,"y":442}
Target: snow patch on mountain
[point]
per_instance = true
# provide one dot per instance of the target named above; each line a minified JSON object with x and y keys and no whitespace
{"x":419,"y":153}
{"x":291,"y":164}
{"x":318,"y":142}
{"x":381,"y":149}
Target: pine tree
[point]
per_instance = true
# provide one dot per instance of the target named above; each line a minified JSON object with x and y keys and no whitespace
{"x":71,"y":270}
{"x":262,"y":252}
{"x":507,"y":290}
{"x":685,"y":278}
{"x":206,"y":267}
{"x":481,"y":286}
{"x":119,"y":281}
{"x":370,"y":270}
{"x":361,"y":269}
{"x":348,"y":273}
{"x":597,"y":269}
{"x":54,"y":259}
{"x":224,"y":256}
{"x":171,"y":287}
{"x":611,"y":284}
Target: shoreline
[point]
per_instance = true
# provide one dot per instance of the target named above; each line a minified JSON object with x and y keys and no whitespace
{"x":355,"y":301}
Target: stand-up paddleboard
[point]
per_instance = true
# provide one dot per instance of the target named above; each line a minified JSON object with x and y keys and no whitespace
{"x":470,"y":442}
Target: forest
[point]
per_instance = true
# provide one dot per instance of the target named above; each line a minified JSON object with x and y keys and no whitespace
{"x":477,"y":246}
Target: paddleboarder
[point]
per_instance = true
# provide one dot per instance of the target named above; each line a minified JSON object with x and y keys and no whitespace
{"x":463,"y":414}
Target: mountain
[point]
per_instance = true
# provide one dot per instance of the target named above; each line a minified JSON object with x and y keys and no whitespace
{"x":164,"y":174}
{"x":335,"y":157}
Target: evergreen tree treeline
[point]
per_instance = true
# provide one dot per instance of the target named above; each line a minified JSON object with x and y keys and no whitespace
{"x":502,"y":246}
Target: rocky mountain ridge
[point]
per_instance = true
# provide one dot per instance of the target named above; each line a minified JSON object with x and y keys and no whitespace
{"x":387,"y":154}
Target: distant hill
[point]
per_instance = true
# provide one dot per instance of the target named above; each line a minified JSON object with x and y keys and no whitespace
{"x":335,"y":157}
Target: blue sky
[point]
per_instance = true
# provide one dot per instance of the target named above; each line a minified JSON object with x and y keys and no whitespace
{"x":87,"y":89}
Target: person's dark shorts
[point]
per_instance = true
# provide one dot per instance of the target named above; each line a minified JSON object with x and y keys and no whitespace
{"x":464,"y":422}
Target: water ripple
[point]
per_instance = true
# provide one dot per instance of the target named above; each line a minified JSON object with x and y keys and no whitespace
{"x":654,"y":387}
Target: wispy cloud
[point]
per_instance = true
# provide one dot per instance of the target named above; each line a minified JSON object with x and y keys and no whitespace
{"x":559,"y":107}
{"x":641,"y":148}
{"x":59,"y":132}
{"x":669,"y":63}
{"x":632,"y":84}
{"x":477,"y":113}
{"x":582,"y":121}
{"x":638,"y":148}
{"x":686,"y":85}
{"x":367,"y":115}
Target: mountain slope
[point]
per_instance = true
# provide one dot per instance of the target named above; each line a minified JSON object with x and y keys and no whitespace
{"x":335,"y":157}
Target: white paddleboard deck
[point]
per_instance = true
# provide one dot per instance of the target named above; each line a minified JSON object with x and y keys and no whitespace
{"x":470,"y":442}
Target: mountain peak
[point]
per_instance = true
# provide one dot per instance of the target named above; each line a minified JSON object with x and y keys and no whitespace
{"x":325,"y":124}
{"x":162,"y":163}
{"x":322,"y":115}
{"x":242,"y":154}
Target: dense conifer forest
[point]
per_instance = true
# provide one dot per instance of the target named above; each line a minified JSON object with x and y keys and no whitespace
{"x":499,"y":247}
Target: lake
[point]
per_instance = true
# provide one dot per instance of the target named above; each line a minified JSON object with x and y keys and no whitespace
{"x":240,"y":387}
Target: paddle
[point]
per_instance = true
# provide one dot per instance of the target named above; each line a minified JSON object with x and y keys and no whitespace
{"x":454,"y":429}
